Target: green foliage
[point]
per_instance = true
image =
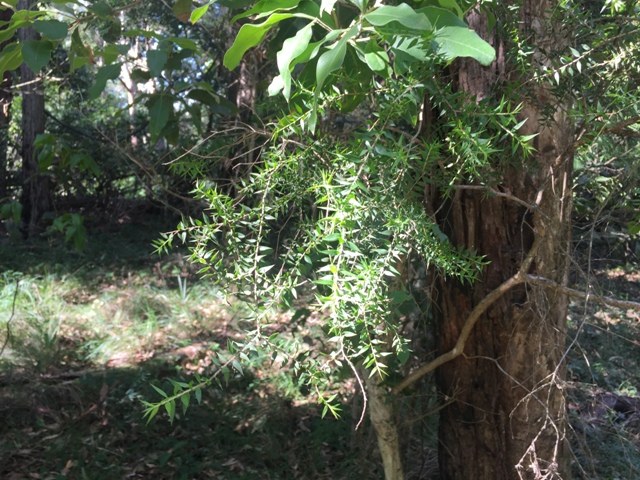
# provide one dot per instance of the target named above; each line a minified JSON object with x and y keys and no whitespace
{"x":338,"y":219}
{"x":71,"y":226}
{"x":417,"y":34}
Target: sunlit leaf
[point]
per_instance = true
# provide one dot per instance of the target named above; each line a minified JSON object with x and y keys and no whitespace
{"x":291,"y":48}
{"x":199,"y":12}
{"x":265,"y":7}
{"x":403,"y":14}
{"x":454,"y":42}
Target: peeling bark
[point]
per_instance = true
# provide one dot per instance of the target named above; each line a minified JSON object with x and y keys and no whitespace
{"x":506,"y":416}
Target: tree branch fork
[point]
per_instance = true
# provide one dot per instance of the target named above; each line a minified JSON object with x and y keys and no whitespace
{"x":519,"y":278}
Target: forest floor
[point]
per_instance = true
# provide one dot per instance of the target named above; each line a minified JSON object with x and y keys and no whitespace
{"x":86,"y":337}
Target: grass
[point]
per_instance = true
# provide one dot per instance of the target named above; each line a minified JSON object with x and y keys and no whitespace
{"x":92,"y":332}
{"x":603,"y":366}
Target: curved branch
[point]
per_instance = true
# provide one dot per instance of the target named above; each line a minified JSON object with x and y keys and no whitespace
{"x":469,"y":323}
{"x":518,"y":278}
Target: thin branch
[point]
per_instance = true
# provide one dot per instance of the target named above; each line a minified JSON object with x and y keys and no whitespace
{"x":520,"y":277}
{"x":493,"y":192}
{"x":571,"y":292}
{"x":360,"y":384}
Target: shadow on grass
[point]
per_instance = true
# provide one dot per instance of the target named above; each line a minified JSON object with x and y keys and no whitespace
{"x":115,"y":248}
{"x":92,"y":427}
{"x":71,"y":408}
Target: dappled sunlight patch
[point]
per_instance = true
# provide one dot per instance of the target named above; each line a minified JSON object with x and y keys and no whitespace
{"x":603,"y":398}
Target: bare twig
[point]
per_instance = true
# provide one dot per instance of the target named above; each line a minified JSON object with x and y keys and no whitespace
{"x":571,"y":292}
{"x":492,"y":192}
{"x":360,"y":384}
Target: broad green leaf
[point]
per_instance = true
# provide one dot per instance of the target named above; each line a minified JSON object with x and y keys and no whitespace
{"x":52,"y":29}
{"x":374,"y":56}
{"x":139,"y":75}
{"x":204,"y":96}
{"x":182,"y":10}
{"x":8,"y":33}
{"x":108,"y":72}
{"x":329,"y":62}
{"x":111,"y":52}
{"x":361,"y":4}
{"x":36,"y":53}
{"x":451,"y":5}
{"x":332,"y":59}
{"x":101,"y":8}
{"x":185,"y":43}
{"x":79,"y":53}
{"x":291,"y":49}
{"x":313,"y":49}
{"x":10,"y":58}
{"x":248,"y":37}
{"x":276,"y":86}
{"x":199,"y":12}
{"x":160,"y":109}
{"x":403,"y":14}
{"x":407,"y":51}
{"x":156,"y":60}
{"x":266,"y":7}
{"x":440,"y":18}
{"x":454,"y":42}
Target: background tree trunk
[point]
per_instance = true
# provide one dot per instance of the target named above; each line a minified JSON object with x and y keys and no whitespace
{"x":507,"y":416}
{"x":6,"y":96}
{"x":35,"y":186}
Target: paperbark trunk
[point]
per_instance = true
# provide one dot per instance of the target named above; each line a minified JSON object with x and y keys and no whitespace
{"x":506,"y":415}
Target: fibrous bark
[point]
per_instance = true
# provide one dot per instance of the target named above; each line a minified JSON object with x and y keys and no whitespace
{"x":505,"y":414}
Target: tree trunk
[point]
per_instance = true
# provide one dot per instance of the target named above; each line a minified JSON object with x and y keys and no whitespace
{"x":382,"y":419}
{"x":506,"y":419}
{"x":35,"y":186}
{"x":6,"y":97}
